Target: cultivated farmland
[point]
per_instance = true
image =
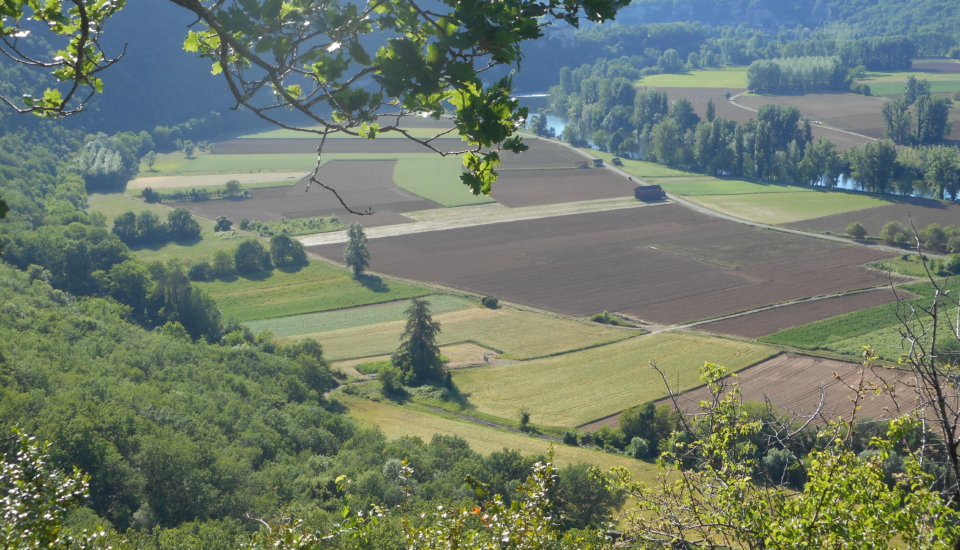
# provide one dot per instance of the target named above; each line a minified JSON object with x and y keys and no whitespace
{"x":396,"y":422}
{"x":792,"y":383}
{"x":515,"y":333}
{"x":847,"y":111}
{"x":520,"y":188}
{"x":762,"y":323}
{"x":922,"y":212}
{"x":315,"y":287}
{"x":333,"y":146}
{"x":176,"y":182}
{"x":573,"y":389}
{"x":361,"y":184}
{"x":665,"y":264}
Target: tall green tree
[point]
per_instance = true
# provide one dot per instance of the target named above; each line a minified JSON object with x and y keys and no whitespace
{"x":896,"y":121}
{"x":355,"y":253}
{"x":419,"y":356}
{"x":285,"y":250}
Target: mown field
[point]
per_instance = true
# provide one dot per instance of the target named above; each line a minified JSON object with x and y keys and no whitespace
{"x":573,"y":389}
{"x":919,"y":212}
{"x":641,"y":169}
{"x":247,"y":181}
{"x":786,"y":207}
{"x":515,"y":333}
{"x":939,"y":74}
{"x":396,"y":422}
{"x":728,"y":77}
{"x":436,"y":179}
{"x":848,"y":333}
{"x":354,"y":317}
{"x":315,"y":287}
{"x":715,"y":186}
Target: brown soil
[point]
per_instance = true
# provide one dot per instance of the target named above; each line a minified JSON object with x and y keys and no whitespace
{"x":936,"y":66}
{"x":269,"y":146}
{"x":517,"y":188}
{"x":762,"y":323}
{"x":792,"y":383}
{"x":587,"y":263}
{"x":362,"y":184}
{"x":541,"y":154}
{"x":847,"y":111}
{"x":923,"y":212}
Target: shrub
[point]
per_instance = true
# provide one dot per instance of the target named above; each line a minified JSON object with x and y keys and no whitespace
{"x":232,"y":188}
{"x":222,"y":264}
{"x":524,"y":416}
{"x":953,"y":267}
{"x":287,"y":251}
{"x":856,"y":230}
{"x":953,"y":245}
{"x":151,"y":196}
{"x":182,"y":226}
{"x":490,"y":302}
{"x":150,"y":229}
{"x":251,"y":257}
{"x":933,"y":236}
{"x":389,"y":377}
{"x":638,"y":448}
{"x":570,"y":438}
{"x":893,"y":232}
{"x":200,"y":271}
{"x":223,"y":224}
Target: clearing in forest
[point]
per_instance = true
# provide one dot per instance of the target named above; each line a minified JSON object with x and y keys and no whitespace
{"x":573,"y":389}
{"x":516,"y":333}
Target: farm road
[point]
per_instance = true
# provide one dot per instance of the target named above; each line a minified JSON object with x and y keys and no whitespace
{"x":468,"y":216}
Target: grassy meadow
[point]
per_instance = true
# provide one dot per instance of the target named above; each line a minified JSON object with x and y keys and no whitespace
{"x":891,"y":83}
{"x":396,"y":422}
{"x":283,"y":133}
{"x":436,"y":179}
{"x":716,"y":186}
{"x":314,"y":287}
{"x":576,"y":388}
{"x":354,"y":317}
{"x":786,"y":207}
{"x":515,"y":333}
{"x":643,"y":169}
{"x":727,"y":77}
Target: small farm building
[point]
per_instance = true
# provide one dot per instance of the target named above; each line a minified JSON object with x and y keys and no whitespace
{"x":649,"y":193}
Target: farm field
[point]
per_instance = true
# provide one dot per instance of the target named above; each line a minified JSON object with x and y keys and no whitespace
{"x":943,"y":76}
{"x":284,"y":133}
{"x":224,"y":164}
{"x":158,"y":183}
{"x":729,"y":77}
{"x":716,"y":186}
{"x":315,"y":287}
{"x":792,"y":383}
{"x":875,"y":327}
{"x":437,"y":180}
{"x":847,"y":111}
{"x":515,"y":333}
{"x":763,"y":323}
{"x":362,"y":184}
{"x":783,"y":208}
{"x":542,"y":153}
{"x":644,"y":170}
{"x":574,"y":389}
{"x":396,"y":422}
{"x":519,"y":188}
{"x":665,"y":265}
{"x":923,"y":212}
{"x":288,"y":146}
{"x":353,"y":317}
{"x":458,"y":355}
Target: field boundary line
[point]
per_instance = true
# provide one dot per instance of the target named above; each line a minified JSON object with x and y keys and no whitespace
{"x":831,"y":128}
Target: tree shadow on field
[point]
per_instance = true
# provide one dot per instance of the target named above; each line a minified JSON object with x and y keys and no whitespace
{"x":372,"y":282}
{"x":288,"y":269}
{"x":257,"y":275}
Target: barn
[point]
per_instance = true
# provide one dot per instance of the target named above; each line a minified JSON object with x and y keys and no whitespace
{"x":649,"y":193}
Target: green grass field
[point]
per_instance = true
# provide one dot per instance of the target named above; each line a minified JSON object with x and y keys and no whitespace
{"x":396,"y":422}
{"x":353,"y":317}
{"x":777,"y":208}
{"x":262,"y":185}
{"x":716,"y":186}
{"x":574,"y":389}
{"x":315,"y":287}
{"x":436,"y":179}
{"x":641,"y":169}
{"x":891,"y":83}
{"x":729,"y":77}
{"x":517,"y":334}
{"x":114,"y":204}
{"x":848,"y":333}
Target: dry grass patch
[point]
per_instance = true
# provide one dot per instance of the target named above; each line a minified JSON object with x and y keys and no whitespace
{"x":396,"y":422}
{"x":520,"y":334}
{"x":571,"y":390}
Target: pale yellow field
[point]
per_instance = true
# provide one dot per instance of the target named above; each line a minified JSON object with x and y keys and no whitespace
{"x":457,"y":356}
{"x":776,"y":208}
{"x":573,"y":389}
{"x":518,"y":334}
{"x":396,"y":422}
{"x":174,"y":182}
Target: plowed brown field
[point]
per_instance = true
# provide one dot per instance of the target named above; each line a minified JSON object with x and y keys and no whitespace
{"x":646,"y":262}
{"x":762,"y":323}
{"x":517,"y":188}
{"x":257,"y":146}
{"x":362,"y":184}
{"x":923,"y":212}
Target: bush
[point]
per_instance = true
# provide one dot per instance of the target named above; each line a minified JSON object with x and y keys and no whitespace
{"x":223,"y":224}
{"x":607,"y":318}
{"x":287,"y":251}
{"x":570,"y":438}
{"x":953,"y":245}
{"x":200,"y":271}
{"x":182,"y":226}
{"x":856,"y":230}
{"x":490,"y":302}
{"x":933,"y":236}
{"x":150,"y":196}
{"x":638,"y":448}
{"x":953,"y":267}
{"x":893,"y":232}
{"x":251,"y":257}
{"x":389,"y":377}
{"x":222,"y":264}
